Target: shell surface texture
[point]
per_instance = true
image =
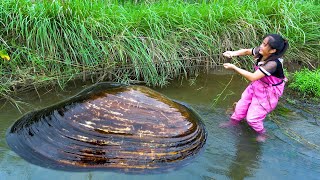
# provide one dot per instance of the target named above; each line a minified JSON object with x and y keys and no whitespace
{"x":109,"y":126}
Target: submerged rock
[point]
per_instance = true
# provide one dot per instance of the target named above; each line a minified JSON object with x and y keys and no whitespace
{"x":110,"y":126}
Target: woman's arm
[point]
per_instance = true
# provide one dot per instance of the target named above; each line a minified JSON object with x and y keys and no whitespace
{"x":248,"y":75}
{"x":241,"y":52}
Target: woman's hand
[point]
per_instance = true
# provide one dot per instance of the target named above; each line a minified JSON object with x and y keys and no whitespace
{"x":229,"y":66}
{"x":229,"y":54}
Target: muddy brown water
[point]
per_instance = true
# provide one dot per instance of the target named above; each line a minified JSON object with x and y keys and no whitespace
{"x":290,"y":152}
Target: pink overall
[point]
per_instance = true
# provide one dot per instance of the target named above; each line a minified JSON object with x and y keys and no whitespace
{"x":258,"y":99}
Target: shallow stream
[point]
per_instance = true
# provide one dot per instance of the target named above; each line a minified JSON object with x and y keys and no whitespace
{"x":292,"y":150}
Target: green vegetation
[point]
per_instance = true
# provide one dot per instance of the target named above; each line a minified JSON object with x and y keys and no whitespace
{"x":53,"y":42}
{"x":307,"y":82}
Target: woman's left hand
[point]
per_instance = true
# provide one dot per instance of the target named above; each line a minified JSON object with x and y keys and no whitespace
{"x":229,"y":66}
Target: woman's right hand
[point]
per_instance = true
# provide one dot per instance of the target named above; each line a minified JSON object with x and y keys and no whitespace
{"x":229,"y":66}
{"x":229,"y":54}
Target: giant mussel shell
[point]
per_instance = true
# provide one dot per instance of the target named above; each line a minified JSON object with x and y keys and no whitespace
{"x":110,"y":126}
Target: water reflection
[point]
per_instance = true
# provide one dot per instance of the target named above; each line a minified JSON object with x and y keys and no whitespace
{"x":248,"y":153}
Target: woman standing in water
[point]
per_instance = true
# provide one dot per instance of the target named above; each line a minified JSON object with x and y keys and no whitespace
{"x":267,"y":83}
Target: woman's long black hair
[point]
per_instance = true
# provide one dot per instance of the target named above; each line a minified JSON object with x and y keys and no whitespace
{"x":278,"y":43}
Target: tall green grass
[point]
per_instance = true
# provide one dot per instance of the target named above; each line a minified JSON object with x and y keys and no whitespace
{"x":52,"y":42}
{"x":307,"y":82}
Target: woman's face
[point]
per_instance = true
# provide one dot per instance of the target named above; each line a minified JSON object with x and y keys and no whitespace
{"x":265,"y":49}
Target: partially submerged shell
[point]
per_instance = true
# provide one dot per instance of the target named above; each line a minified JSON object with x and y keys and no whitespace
{"x":110,"y":126}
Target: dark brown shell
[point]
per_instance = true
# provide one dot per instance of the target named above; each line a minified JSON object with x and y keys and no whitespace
{"x":110,"y":126}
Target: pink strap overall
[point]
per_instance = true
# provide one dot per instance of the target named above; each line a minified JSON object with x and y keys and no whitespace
{"x":258,"y":99}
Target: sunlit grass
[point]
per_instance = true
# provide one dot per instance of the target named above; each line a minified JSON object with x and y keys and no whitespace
{"x":307,"y":82}
{"x":52,"y":42}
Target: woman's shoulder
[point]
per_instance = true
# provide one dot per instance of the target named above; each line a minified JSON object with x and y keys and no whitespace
{"x":277,"y":61}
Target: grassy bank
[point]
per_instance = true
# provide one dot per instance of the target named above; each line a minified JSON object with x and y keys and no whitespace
{"x":307,"y":82}
{"x":53,"y":42}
